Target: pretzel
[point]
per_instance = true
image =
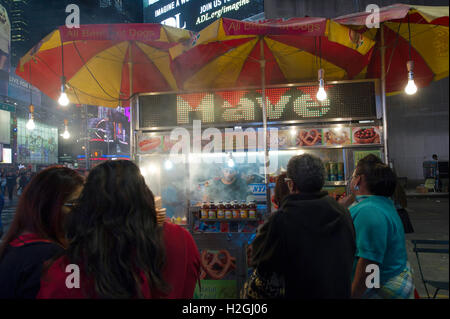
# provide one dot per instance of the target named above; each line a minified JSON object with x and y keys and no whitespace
{"x":307,"y":138}
{"x":216,"y":266}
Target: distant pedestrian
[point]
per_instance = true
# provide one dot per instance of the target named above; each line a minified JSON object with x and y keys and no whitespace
{"x":380,"y":236}
{"x":36,"y":233}
{"x":122,"y":252}
{"x":2,"y":204}
{"x":22,"y":183}
{"x":3,"y":182}
{"x":11,"y":184}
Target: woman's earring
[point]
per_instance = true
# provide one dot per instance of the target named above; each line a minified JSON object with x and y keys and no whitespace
{"x":356,"y":188}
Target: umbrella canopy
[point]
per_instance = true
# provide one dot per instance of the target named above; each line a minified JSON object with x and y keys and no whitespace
{"x":228,"y":53}
{"x":103,"y":64}
{"x":428,"y":27}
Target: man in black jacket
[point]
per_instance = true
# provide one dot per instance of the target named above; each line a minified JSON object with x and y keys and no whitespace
{"x":310,"y":241}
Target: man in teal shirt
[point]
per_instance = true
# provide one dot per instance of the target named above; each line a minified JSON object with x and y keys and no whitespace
{"x":379,"y":234}
{"x":380,"y":237}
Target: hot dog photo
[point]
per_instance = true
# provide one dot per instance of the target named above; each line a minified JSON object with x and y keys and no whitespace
{"x":149,"y":144}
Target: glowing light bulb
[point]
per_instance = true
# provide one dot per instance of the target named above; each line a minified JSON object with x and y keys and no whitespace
{"x":321,"y":94}
{"x":63,"y":99}
{"x":411,"y":87}
{"x":230,"y":162}
{"x":30,"y":124}
{"x":168,"y":165}
{"x":66,"y":134}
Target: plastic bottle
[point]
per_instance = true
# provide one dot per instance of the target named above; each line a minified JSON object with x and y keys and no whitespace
{"x":204,"y":211}
{"x":212,"y":212}
{"x":236,"y":209}
{"x":228,"y":211}
{"x":220,"y":210}
{"x":252,"y":209}
{"x":244,"y":210}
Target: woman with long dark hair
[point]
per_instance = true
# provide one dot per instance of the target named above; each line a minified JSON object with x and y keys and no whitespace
{"x":117,"y":245}
{"x":36,"y":233}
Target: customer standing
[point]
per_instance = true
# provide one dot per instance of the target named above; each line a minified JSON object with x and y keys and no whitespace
{"x":11,"y":184}
{"x":120,"y":249}
{"x":3,"y":182}
{"x":308,"y":245}
{"x":2,"y":204}
{"x":36,"y":233}
{"x":380,"y":237}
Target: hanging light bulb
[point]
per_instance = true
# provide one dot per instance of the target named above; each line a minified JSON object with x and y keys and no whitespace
{"x":411,"y":87}
{"x":63,"y":99}
{"x":30,"y":124}
{"x":321,"y":94}
{"x":66,"y":133}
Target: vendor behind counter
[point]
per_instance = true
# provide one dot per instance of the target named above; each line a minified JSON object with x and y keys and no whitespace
{"x":229,"y":187}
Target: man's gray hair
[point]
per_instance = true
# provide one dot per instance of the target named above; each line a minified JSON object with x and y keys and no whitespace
{"x":307,"y":172}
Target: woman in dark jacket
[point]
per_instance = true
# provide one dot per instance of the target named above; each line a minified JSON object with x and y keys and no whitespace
{"x":305,"y":250}
{"x":36,"y":233}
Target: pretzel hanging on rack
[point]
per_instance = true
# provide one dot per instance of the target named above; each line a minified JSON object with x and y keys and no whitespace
{"x":216,"y":266}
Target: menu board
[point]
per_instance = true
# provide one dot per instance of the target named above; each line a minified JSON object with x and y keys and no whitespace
{"x":251,"y":139}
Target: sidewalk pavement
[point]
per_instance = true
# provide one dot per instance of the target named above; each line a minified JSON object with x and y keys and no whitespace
{"x":430,"y":219}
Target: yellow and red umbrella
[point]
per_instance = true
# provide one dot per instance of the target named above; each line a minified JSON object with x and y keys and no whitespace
{"x":103,"y":64}
{"x":228,"y":53}
{"x":428,"y":29}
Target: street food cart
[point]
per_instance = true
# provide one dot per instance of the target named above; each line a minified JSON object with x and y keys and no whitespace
{"x":192,"y":147}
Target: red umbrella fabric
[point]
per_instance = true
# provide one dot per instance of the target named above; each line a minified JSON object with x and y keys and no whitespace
{"x":429,"y":43}
{"x":95,"y":61}
{"x":228,"y":53}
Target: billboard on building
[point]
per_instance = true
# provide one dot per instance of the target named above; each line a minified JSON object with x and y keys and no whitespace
{"x":195,"y":15}
{"x":5,"y":49}
{"x":5,"y":127}
{"x":109,"y":129}
{"x":6,"y":155}
{"x":19,"y":89}
{"x":39,"y":146}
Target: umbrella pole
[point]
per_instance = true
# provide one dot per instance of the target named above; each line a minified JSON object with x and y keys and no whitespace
{"x":383,"y":95}
{"x":130,"y":74}
{"x":264,"y":112}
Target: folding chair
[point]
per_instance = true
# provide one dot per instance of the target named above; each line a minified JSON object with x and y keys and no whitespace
{"x":438,"y":285}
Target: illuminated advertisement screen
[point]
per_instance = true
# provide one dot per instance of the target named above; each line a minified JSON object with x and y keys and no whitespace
{"x":195,"y":15}
{"x":6,"y":156}
{"x":5,"y":48}
{"x":5,"y":127}
{"x":110,"y":126}
{"x":39,"y":146}
{"x":344,"y":101}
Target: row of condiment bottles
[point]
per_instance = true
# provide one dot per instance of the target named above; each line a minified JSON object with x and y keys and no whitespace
{"x":229,"y":210}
